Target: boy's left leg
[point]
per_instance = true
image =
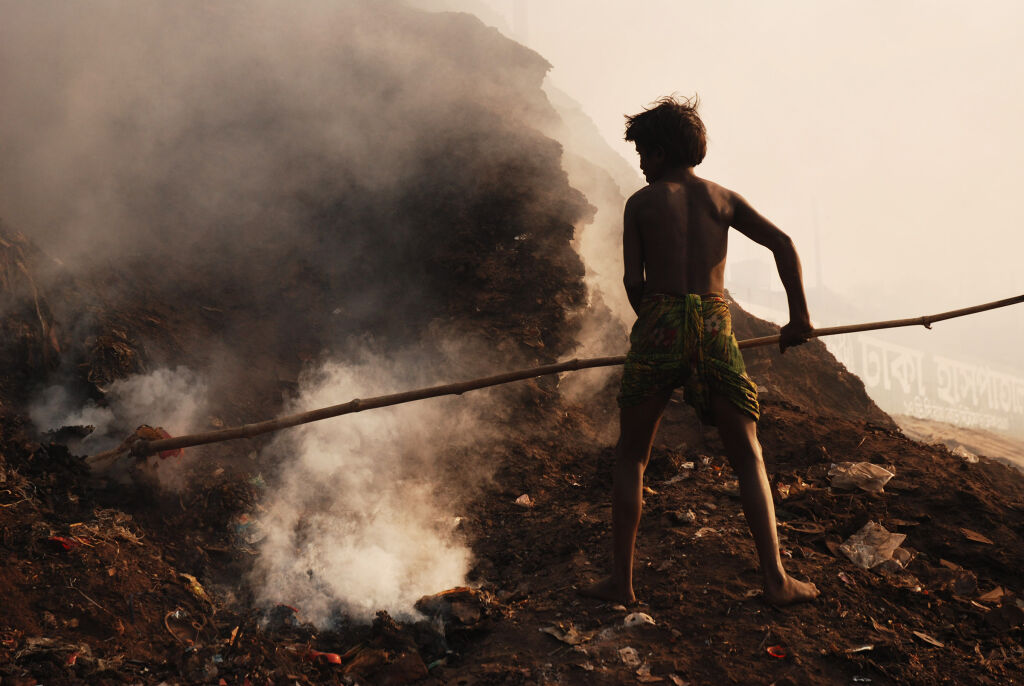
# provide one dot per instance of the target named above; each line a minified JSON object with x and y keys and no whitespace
{"x":739,"y":434}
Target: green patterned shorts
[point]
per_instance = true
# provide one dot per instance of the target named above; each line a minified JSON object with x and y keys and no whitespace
{"x":687,"y":341}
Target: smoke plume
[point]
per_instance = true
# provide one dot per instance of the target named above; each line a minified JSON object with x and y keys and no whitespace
{"x":363,"y":513}
{"x":247,"y":187}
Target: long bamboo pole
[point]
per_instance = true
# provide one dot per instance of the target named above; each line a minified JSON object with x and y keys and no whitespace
{"x":142,"y":448}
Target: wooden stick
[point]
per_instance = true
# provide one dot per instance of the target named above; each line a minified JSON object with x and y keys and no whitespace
{"x":141,"y":448}
{"x":925,"y":321}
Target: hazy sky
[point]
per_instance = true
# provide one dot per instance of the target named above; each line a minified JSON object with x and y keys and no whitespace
{"x":890,"y":131}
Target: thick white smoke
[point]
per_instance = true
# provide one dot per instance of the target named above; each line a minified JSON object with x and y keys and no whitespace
{"x":173,"y":399}
{"x":363,"y":514}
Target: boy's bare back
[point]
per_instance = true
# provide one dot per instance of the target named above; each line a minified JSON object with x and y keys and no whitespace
{"x":676,"y":235}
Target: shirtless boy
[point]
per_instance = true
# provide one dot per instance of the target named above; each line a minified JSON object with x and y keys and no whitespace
{"x":674,"y":248}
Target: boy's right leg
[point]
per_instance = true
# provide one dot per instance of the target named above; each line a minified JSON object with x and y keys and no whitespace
{"x":739,"y":434}
{"x":638,"y":425}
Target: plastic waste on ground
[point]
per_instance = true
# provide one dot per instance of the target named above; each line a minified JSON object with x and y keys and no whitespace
{"x":863,"y":475}
{"x":637,"y":619}
{"x":874,"y":546}
{"x":965,"y":454}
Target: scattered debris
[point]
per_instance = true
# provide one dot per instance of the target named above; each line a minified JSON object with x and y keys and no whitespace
{"x":682,"y":516}
{"x":975,"y":536}
{"x":157,"y":433}
{"x":776,"y":651}
{"x":332,"y":658}
{"x":929,"y":639}
{"x":524,"y":500}
{"x":629,"y":657}
{"x":282,"y":617}
{"x":461,"y":607}
{"x":68,"y":542}
{"x":965,"y":454}
{"x":993,"y":596}
{"x":863,"y":475}
{"x":248,"y":529}
{"x":570,"y":636}
{"x":963,"y":582}
{"x":804,"y":527}
{"x":637,"y":619}
{"x":873,"y":546}
{"x":182,"y":626}
{"x":195,"y":588}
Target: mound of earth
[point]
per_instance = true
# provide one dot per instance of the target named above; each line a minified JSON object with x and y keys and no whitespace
{"x":115,"y":584}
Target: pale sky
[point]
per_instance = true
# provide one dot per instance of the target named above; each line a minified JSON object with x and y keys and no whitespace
{"x":890,"y":131}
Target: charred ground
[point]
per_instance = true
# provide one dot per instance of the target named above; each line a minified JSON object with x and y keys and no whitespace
{"x":107,"y":584}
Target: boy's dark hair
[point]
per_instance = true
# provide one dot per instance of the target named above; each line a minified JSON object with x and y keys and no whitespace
{"x":673,"y":125}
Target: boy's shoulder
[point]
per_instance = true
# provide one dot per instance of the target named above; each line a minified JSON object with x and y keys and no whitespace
{"x":660,"y":191}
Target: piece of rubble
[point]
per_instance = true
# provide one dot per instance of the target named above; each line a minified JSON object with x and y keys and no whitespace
{"x":929,"y":639}
{"x":570,"y":636}
{"x":963,"y":583}
{"x":461,"y":607}
{"x":195,"y":588}
{"x":863,"y":475}
{"x":630,"y":657}
{"x":644,"y":676}
{"x":1007,"y":616}
{"x":975,"y":536}
{"x":873,"y":545}
{"x":993,"y":596}
{"x":637,"y":619}
{"x":524,"y":500}
{"x":683,"y":517}
{"x":965,"y":454}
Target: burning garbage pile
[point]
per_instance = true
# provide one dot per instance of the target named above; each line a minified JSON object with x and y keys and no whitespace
{"x":376,"y":212}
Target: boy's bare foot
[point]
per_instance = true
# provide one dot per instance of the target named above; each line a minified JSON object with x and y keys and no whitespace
{"x":790,"y":591}
{"x":607,"y":589}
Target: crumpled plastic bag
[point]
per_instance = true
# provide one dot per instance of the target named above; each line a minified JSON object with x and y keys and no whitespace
{"x":863,"y":475}
{"x":874,"y":545}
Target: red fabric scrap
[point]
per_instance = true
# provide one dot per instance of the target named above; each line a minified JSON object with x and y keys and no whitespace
{"x":333,"y":658}
{"x":67,"y":542}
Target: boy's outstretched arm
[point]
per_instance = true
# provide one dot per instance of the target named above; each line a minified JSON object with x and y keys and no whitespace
{"x":747,"y":221}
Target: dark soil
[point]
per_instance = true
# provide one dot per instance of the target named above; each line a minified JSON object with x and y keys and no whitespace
{"x":111,"y":584}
